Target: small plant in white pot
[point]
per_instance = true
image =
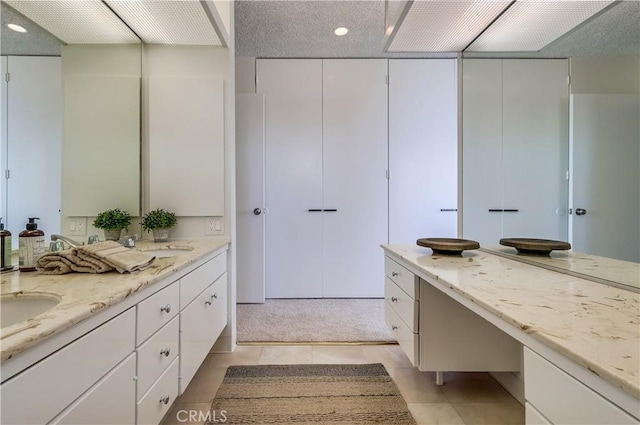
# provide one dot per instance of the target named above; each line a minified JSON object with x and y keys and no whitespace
{"x":159,"y":222}
{"x":112,"y":222}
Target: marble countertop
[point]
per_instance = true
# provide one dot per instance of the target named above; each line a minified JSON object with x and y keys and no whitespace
{"x":82,"y":295}
{"x":595,"y":325}
{"x":580,"y":265}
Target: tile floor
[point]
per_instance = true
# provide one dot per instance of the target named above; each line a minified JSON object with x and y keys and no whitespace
{"x":466,"y":398}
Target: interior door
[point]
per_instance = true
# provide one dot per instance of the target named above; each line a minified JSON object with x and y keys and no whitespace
{"x":293,"y":179}
{"x":423,"y":146}
{"x":250,"y":211}
{"x":605,"y":139}
{"x":355,"y":205}
{"x":535,"y":131}
{"x":34,"y":151}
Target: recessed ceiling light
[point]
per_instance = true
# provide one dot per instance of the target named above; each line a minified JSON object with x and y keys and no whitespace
{"x":17,"y":28}
{"x":340,"y":31}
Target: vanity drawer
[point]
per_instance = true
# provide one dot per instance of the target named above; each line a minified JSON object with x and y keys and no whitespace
{"x":407,"y":340}
{"x":402,"y":277}
{"x":156,"y":354}
{"x":158,"y":400}
{"x":404,"y":306}
{"x":156,"y":311}
{"x":194,"y":283}
{"x":545,"y":385}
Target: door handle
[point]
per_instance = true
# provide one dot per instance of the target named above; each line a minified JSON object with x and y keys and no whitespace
{"x":257,"y":211}
{"x":503,"y":210}
{"x":580,"y":211}
{"x":448,"y":209}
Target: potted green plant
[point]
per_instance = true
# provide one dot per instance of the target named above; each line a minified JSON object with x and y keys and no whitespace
{"x":112,"y":222}
{"x":159,"y":221}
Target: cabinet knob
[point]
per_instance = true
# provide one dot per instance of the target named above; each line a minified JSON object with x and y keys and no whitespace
{"x":165,"y":352}
{"x":394,"y":299}
{"x":211,"y":298}
{"x":165,"y":399}
{"x":166,"y":308}
{"x":395,"y":274}
{"x":394,"y":328}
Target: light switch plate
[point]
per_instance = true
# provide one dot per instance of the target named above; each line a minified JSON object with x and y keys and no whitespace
{"x":213,"y":226}
{"x":76,"y":226}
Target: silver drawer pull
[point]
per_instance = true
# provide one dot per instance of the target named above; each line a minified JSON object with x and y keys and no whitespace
{"x":394,"y":328}
{"x":166,"y":308}
{"x":394,"y":300}
{"x":165,"y":352}
{"x":395,"y":274}
{"x":164,"y":399}
{"x":211,"y":298}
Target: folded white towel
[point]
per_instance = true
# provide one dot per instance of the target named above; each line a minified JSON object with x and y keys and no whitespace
{"x":96,"y":258}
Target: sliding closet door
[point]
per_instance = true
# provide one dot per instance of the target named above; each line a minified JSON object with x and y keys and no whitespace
{"x":293,"y":176}
{"x":354,"y":175}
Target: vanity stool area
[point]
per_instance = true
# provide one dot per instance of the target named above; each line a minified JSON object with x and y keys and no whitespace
{"x":135,"y":340}
{"x":572,"y":357}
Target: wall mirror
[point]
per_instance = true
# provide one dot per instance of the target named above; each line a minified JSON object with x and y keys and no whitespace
{"x":70,"y":115}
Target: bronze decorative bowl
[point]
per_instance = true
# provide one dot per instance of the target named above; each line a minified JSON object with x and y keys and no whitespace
{"x":448,"y":246}
{"x":532,"y":246}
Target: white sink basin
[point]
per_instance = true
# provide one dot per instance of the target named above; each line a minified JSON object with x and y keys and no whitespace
{"x":15,"y":309}
{"x":166,"y":252}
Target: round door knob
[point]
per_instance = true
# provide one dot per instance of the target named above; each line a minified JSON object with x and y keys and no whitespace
{"x":257,"y":211}
{"x":580,"y":211}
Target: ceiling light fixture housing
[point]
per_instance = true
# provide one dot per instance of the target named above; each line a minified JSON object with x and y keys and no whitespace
{"x":340,"y":31}
{"x":17,"y":28}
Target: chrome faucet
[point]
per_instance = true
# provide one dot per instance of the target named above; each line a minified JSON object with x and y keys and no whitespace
{"x":71,"y":242}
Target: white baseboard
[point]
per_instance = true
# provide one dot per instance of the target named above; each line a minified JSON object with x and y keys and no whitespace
{"x":511,"y":383}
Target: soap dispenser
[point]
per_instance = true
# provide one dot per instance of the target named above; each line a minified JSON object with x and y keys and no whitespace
{"x":31,"y":246}
{"x":5,"y":248}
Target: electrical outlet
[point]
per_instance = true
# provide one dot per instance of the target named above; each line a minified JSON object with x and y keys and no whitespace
{"x":77,"y":226}
{"x":213,"y":226}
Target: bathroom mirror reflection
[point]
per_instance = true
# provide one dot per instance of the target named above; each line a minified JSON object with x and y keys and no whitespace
{"x":70,"y":116}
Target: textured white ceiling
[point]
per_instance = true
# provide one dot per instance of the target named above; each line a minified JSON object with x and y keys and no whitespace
{"x":295,"y":28}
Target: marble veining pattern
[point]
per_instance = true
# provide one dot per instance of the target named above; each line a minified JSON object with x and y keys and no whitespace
{"x":595,"y":325}
{"x":83,"y":294}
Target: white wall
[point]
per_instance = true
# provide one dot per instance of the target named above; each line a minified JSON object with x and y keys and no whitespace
{"x":605,"y":75}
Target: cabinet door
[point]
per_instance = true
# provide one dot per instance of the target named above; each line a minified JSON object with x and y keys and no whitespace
{"x":482,"y":150}
{"x":535,"y":135}
{"x":423,"y":149}
{"x":186,"y":145}
{"x":201,"y":323}
{"x":110,"y":401}
{"x":293,"y":144}
{"x":354,"y":176}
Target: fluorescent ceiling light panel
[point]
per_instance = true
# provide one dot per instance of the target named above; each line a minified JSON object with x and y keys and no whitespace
{"x":529,"y":25}
{"x":444,"y":26}
{"x":76,"y":21}
{"x":178,"y":22}
{"x":17,"y":28}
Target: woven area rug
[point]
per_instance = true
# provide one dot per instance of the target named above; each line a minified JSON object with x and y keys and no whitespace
{"x":358,"y":320}
{"x":310,"y":394}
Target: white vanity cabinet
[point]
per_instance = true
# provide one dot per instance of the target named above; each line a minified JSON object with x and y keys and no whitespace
{"x":203,"y":315}
{"x":546,"y":384}
{"x":129,"y":365}
{"x":437,"y":333}
{"x":39,"y":393}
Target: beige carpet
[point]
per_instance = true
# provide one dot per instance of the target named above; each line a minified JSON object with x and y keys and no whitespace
{"x":314,"y":320}
{"x":310,"y":394}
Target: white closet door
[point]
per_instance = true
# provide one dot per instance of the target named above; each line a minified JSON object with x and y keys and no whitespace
{"x":606,"y":171}
{"x":423,"y":146}
{"x":293,"y":140}
{"x":482,"y":150}
{"x":34,"y":139}
{"x":535,"y":147}
{"x":250,"y":197}
{"x":354,"y":175}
